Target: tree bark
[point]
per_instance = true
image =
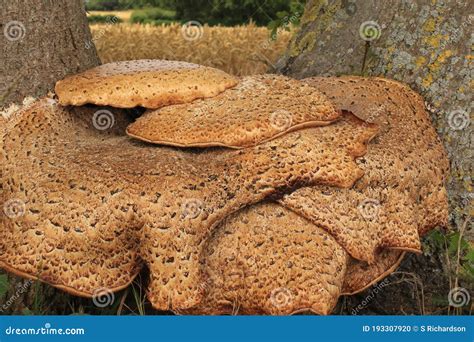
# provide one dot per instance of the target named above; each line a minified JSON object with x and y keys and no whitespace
{"x":426,"y":44}
{"x":41,"y":42}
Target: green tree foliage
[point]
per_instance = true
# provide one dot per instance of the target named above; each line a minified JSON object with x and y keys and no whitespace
{"x":234,"y":12}
{"x":212,"y":12}
{"x":155,"y":15}
{"x":115,"y":5}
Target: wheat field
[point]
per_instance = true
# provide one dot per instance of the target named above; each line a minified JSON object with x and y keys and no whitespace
{"x":239,"y":50}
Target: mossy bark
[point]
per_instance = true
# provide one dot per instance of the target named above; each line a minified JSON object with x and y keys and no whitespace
{"x":427,"y":44}
{"x":41,"y":42}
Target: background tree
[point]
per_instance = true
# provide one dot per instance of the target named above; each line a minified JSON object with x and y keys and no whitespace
{"x":41,"y":42}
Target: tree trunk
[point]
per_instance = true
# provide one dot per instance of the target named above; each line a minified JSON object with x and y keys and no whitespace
{"x":426,"y":44}
{"x":42,"y":41}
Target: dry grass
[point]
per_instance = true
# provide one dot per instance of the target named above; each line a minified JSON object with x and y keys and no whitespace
{"x":240,"y":50}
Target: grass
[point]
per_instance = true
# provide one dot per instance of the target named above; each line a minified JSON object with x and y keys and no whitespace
{"x":240,"y":50}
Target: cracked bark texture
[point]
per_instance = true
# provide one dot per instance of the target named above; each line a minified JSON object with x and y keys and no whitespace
{"x":41,"y":42}
{"x":427,"y":44}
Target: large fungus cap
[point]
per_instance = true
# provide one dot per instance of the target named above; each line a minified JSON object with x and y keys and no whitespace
{"x":402,"y":194}
{"x":95,"y":205}
{"x":266,"y":259}
{"x":147,"y":83}
{"x":400,"y":197}
{"x":260,"y":108}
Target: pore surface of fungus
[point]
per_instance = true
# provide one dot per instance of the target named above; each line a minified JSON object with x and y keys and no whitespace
{"x":402,"y":194}
{"x":258,"y":109}
{"x":400,"y":197}
{"x":147,"y":83}
{"x":95,"y":204}
{"x":266,"y":259}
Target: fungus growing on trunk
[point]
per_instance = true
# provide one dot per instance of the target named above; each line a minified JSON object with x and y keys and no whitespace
{"x":85,"y":207}
{"x":82,"y":231}
{"x":405,"y":169}
{"x":147,"y":83}
{"x":258,"y":109}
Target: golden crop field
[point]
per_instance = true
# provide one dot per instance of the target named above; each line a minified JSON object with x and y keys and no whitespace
{"x":240,"y":50}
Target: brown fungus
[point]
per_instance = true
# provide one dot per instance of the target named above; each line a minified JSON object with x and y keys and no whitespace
{"x":95,"y":205}
{"x":402,"y":194}
{"x":147,"y":83}
{"x":266,"y":259}
{"x":405,"y":167}
{"x":258,"y":109}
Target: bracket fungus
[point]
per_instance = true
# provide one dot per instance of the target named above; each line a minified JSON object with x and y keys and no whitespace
{"x":258,"y":109}
{"x":191,"y":215}
{"x":406,"y":171}
{"x":147,"y":83}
